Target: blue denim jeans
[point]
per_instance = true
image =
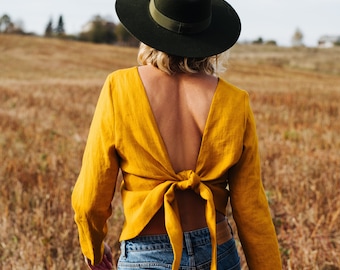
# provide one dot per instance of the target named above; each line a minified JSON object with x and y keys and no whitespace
{"x":155,"y":252}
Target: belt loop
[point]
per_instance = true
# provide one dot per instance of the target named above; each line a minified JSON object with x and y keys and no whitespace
{"x":188,"y":243}
{"x":123,"y":248}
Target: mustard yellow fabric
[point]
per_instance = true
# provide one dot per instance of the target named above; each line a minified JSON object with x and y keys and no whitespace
{"x":124,"y":135}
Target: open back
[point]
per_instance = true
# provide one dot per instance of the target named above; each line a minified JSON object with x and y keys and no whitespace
{"x":180,"y":104}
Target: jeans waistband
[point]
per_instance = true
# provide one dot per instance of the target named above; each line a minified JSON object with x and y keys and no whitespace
{"x":198,"y":237}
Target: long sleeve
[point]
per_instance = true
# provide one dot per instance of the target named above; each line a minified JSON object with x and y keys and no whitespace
{"x":124,"y":135}
{"x":249,"y":204}
{"x":95,"y":186}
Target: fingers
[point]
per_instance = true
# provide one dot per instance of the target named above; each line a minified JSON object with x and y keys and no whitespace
{"x":108,"y":253}
{"x":105,"y":264}
{"x":108,"y":262}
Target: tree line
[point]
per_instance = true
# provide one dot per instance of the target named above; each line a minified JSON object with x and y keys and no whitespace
{"x":97,"y":30}
{"x":7,"y":26}
{"x":101,"y":30}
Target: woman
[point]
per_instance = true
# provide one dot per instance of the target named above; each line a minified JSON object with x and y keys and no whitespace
{"x":185,"y":142}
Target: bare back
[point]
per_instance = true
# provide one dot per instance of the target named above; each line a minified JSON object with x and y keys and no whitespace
{"x":180,"y":104}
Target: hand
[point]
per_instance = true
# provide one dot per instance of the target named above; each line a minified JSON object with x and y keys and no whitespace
{"x":107,"y":261}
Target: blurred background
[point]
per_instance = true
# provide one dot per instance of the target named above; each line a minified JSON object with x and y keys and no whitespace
{"x":284,"y":23}
{"x":54,"y":58}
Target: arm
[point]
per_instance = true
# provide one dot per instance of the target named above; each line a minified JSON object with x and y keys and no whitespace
{"x":95,"y":186}
{"x":249,"y":203}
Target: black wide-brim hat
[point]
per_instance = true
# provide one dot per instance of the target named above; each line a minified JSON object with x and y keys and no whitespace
{"x":186,"y":28}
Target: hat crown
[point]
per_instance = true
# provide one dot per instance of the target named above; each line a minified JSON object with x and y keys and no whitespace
{"x":186,"y":11}
{"x":186,"y":28}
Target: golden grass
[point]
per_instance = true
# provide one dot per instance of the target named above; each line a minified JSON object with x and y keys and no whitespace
{"x":48,"y":91}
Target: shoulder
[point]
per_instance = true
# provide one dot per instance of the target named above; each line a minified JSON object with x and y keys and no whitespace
{"x":231,"y":94}
{"x":121,"y":74}
{"x":122,"y":80}
{"x":230,"y":88}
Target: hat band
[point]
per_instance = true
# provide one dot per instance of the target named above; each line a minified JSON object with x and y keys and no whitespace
{"x":176,"y":26}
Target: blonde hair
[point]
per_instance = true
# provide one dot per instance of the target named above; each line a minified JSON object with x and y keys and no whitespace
{"x":175,"y":64}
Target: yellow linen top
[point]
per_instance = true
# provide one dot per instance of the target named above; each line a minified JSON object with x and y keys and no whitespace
{"x":124,"y":135}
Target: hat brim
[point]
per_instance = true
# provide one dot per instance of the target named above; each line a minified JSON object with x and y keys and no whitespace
{"x":222,"y":33}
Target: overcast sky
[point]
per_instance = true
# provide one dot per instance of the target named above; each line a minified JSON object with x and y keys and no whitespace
{"x":270,"y":19}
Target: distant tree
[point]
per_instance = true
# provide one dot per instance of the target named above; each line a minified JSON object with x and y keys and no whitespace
{"x":297,"y":38}
{"x":271,"y":42}
{"x":49,"y":29}
{"x":60,"y":30}
{"x":122,"y":34}
{"x":5,"y":23}
{"x":7,"y":26}
{"x":19,"y":24}
{"x":11,"y":28}
{"x":109,"y":33}
{"x":99,"y":30}
{"x":258,"y":41}
{"x":124,"y":37}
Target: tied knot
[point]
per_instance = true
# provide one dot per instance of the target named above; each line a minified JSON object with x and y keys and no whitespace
{"x":188,"y":180}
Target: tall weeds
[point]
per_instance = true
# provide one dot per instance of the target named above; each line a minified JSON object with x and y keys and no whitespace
{"x":47,"y":98}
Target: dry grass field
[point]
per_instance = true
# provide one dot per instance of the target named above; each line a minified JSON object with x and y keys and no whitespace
{"x":48,"y":91}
